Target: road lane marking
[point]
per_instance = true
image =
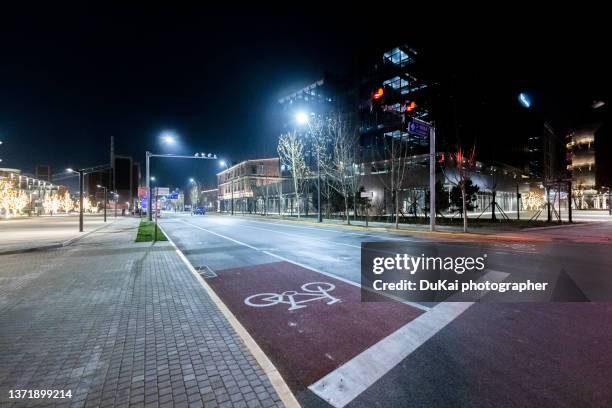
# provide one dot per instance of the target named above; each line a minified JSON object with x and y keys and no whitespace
{"x":282,"y":258}
{"x":312,"y":291}
{"x":277,"y":381}
{"x":345,"y":383}
{"x":330,"y":228}
{"x":379,"y":235}
{"x":348,"y":381}
{"x":327,"y":241}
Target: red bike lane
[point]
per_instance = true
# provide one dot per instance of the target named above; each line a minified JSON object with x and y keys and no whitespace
{"x":317,"y":332}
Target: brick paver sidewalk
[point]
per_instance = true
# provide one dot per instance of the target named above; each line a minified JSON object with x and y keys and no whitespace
{"x":119,"y":324}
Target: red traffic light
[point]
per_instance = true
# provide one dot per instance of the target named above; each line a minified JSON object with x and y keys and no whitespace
{"x":379,"y":93}
{"x":411,"y":106}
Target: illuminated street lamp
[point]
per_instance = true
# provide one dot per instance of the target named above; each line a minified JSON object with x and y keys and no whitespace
{"x":302,"y":119}
{"x":168,"y":137}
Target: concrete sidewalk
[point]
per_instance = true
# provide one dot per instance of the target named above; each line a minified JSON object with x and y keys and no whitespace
{"x":119,"y":324}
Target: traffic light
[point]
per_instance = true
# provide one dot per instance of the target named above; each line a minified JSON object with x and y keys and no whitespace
{"x":378,"y":94}
{"x":410,"y":106}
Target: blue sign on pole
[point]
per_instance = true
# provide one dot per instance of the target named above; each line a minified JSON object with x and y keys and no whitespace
{"x":419,"y":127}
{"x":173,"y":196}
{"x":143,"y":203}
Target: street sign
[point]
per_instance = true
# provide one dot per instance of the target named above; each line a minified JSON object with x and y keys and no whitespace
{"x":142,"y":192}
{"x":143,"y":203}
{"x":367,"y":194}
{"x":173,"y":196}
{"x":419,"y":127}
{"x":162,"y":191}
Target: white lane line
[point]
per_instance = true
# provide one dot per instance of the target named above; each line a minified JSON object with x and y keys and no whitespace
{"x":282,"y":258}
{"x":222,"y":236}
{"x":327,"y":241}
{"x":277,"y":381}
{"x":369,"y":234}
{"x":345,"y":383}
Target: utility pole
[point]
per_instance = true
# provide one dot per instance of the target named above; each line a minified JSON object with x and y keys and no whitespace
{"x":432,"y":178}
{"x":547,"y":189}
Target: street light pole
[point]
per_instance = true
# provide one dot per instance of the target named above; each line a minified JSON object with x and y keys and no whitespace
{"x":232,"y":187}
{"x":320,"y":215}
{"x":105,"y":198}
{"x":147,"y":158}
{"x":81,"y":182}
{"x":148,"y":155}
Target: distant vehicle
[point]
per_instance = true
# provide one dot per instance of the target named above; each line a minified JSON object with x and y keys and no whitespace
{"x":199,"y":211}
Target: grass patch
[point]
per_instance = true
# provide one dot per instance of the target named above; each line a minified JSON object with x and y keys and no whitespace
{"x":146,"y":230}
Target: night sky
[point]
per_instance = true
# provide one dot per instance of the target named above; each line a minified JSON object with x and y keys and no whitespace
{"x":70,"y":79}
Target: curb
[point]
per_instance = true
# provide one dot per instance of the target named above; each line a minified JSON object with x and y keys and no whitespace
{"x":564,"y":225}
{"x":54,"y":245}
{"x":277,"y":381}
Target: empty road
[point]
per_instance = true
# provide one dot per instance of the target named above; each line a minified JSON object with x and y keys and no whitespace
{"x":338,"y":350}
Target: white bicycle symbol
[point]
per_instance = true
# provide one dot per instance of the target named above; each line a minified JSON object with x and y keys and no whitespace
{"x":312,"y":291}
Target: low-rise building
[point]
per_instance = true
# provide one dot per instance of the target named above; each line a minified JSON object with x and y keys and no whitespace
{"x":240,"y":185}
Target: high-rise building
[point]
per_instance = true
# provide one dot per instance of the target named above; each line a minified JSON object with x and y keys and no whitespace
{"x":389,"y":95}
{"x":328,"y":94}
{"x":123,"y":178}
{"x":43,"y":172}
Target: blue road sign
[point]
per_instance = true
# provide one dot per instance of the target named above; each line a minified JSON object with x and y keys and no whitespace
{"x":418,"y":127}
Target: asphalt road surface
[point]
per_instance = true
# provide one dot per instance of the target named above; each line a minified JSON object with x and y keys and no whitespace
{"x":295,"y":289}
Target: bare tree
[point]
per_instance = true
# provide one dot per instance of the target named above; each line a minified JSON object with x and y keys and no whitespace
{"x":395,"y":151}
{"x":319,"y":126}
{"x":194,"y":196}
{"x":291,"y":152}
{"x":341,"y":168}
{"x":460,"y":167}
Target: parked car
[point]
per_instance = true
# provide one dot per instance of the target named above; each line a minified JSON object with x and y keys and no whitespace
{"x":199,"y":211}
